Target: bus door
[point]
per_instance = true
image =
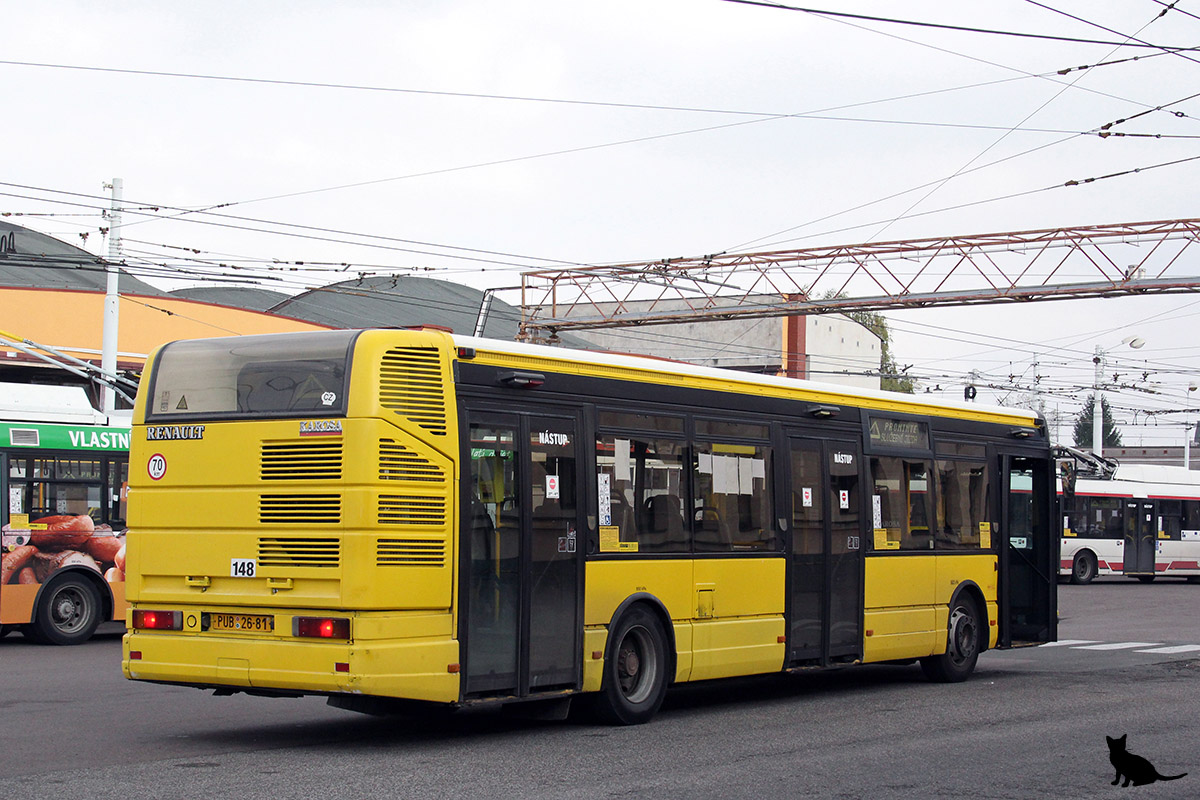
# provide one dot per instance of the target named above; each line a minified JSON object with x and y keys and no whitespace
{"x":825,"y":575}
{"x":1141,"y":540}
{"x":521,"y":555}
{"x":1028,"y":550}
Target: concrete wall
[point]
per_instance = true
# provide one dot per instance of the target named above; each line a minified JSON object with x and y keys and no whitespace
{"x":835,"y":347}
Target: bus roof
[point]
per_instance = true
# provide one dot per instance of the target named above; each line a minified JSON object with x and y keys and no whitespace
{"x":31,"y":402}
{"x":872,"y":396}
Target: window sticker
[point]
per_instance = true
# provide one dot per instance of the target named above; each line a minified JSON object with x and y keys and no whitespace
{"x":621,"y":455}
{"x":604,"y":494}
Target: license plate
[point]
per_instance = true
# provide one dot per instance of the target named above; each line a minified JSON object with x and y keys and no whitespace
{"x":248,"y":623}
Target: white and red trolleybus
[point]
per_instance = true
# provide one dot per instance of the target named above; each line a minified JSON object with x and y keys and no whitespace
{"x":1139,"y":520}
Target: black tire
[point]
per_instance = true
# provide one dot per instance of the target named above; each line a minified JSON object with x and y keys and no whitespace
{"x":962,"y":645}
{"x":1083,"y":570}
{"x":635,"y":670}
{"x":5,"y":630}
{"x":67,"y":612}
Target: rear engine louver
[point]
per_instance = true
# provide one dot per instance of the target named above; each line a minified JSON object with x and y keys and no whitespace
{"x":399,"y":463}
{"x":300,"y":509}
{"x":411,"y":553}
{"x":411,"y":510}
{"x":289,"y":460}
{"x":410,"y":383}
{"x":296,"y":552}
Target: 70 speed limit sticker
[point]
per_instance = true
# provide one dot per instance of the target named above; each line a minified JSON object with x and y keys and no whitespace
{"x":156,"y":466}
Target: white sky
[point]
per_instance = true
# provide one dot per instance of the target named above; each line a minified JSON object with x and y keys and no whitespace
{"x":697,"y":181}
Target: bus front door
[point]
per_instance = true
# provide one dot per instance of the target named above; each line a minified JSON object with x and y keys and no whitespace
{"x":1141,"y":541}
{"x":825,"y":575}
{"x":520,"y":539}
{"x":1028,"y":552}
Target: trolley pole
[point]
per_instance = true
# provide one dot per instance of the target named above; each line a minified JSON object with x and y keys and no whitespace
{"x":108,"y":352}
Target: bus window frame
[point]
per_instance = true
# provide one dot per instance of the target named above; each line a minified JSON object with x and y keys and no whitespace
{"x":153,"y":417}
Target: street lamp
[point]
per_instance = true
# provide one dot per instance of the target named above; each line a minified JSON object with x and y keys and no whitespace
{"x":1098,"y":398}
{"x":1187,"y":428}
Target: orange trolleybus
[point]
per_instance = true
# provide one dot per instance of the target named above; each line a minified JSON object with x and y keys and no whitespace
{"x":62,"y":477}
{"x":382,"y":516}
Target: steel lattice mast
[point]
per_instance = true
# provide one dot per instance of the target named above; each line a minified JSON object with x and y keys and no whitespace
{"x":1019,"y":266}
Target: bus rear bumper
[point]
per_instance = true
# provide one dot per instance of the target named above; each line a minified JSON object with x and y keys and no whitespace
{"x":414,"y":670}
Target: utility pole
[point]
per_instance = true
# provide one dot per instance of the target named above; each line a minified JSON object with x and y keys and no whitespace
{"x":1097,"y":405}
{"x":108,"y":352}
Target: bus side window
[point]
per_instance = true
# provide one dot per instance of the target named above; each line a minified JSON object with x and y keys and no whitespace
{"x":732,"y":497}
{"x":902,"y":486}
{"x":961,"y":503}
{"x":632,"y":474}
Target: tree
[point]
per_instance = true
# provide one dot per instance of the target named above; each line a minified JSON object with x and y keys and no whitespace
{"x":1111,"y":437}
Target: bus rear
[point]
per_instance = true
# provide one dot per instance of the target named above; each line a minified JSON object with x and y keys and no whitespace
{"x":290,"y":516}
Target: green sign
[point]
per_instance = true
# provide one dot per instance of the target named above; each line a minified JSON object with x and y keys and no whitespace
{"x":63,"y":437}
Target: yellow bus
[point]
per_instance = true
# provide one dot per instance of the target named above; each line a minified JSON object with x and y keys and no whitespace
{"x":385,"y":516}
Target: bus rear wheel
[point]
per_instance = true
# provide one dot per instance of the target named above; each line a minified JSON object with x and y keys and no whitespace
{"x":1083,"y":570}
{"x":962,"y":645}
{"x":635,"y":670}
{"x":67,"y":612}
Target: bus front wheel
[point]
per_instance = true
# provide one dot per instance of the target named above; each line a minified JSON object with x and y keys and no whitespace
{"x":635,"y":670}
{"x":67,"y":612}
{"x":962,"y":645}
{"x":1083,"y":569}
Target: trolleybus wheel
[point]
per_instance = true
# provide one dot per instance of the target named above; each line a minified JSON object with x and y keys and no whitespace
{"x":635,"y":670}
{"x":1084,"y":568}
{"x":962,"y":645}
{"x":67,"y":612}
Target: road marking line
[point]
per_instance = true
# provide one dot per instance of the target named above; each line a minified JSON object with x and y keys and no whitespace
{"x":1179,"y":648}
{"x":1069,"y":642}
{"x":1118,"y":646}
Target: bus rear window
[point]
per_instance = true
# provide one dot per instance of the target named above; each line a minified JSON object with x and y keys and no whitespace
{"x":274,"y":375}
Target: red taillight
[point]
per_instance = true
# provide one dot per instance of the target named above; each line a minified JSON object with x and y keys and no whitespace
{"x":321,"y":627}
{"x":158,"y":620}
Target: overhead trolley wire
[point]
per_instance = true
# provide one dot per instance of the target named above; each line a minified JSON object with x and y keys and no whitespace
{"x":943,"y":26}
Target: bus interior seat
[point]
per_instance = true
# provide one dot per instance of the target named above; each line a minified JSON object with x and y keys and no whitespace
{"x":662,"y":527}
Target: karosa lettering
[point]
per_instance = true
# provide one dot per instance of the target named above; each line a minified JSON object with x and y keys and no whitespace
{"x":315,"y":427}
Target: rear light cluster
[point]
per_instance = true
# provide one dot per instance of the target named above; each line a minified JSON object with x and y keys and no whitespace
{"x":307,"y":627}
{"x":158,"y":620}
{"x":321,"y":627}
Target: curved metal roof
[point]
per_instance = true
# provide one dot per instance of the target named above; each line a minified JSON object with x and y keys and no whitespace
{"x":29,"y":259}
